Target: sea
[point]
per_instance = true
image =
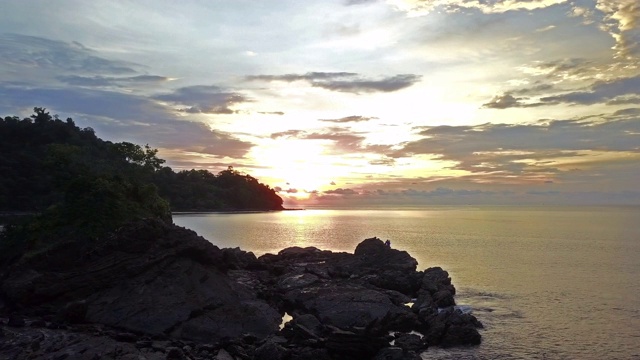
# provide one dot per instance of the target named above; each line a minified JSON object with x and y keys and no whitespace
{"x":546,"y":282}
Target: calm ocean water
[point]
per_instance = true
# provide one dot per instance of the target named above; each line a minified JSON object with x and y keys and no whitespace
{"x":548,"y":283}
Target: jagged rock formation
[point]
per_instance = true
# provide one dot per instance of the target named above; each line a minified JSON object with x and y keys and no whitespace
{"x":155,"y":290}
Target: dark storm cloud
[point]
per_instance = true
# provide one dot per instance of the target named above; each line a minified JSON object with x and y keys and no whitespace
{"x":353,"y":118}
{"x":125,"y":117}
{"x":345,"y":81}
{"x":204,"y":99}
{"x":101,"y":81}
{"x":32,"y":52}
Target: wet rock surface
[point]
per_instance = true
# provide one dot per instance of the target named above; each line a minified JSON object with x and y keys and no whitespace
{"x":158,"y":291}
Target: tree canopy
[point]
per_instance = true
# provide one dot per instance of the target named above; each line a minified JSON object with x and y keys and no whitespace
{"x":81,"y":187}
{"x":43,"y":155}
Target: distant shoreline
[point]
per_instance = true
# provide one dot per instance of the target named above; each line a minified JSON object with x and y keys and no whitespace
{"x":229,"y":211}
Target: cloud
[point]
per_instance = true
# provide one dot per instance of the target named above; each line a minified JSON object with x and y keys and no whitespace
{"x":353,"y":118}
{"x":506,"y":101}
{"x":531,"y":150}
{"x":341,"y":191}
{"x":420,"y":7}
{"x":358,"y":2}
{"x":345,"y":81}
{"x":561,"y":70}
{"x":125,"y":117}
{"x":105,"y":81}
{"x":343,"y":141}
{"x":599,"y":92}
{"x":536,"y":89}
{"x":310,"y":76}
{"x":204,"y":99}
{"x":288,"y":133}
{"x":36,"y":53}
{"x":386,"y":161}
{"x":389,"y":84}
{"x":622,"y":21}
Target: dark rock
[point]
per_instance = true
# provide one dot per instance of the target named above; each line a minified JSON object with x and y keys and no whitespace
{"x":38,"y":323}
{"x":370,"y":247}
{"x":309,"y":322}
{"x":373,"y":252}
{"x":344,"y":306}
{"x":395,"y":353}
{"x":457,"y":335}
{"x":296,"y":252}
{"x":296,"y":280}
{"x":401,"y":281}
{"x":174,"y":353}
{"x":355,"y":345}
{"x":443,"y":298}
{"x":143,"y":344}
{"x":238,"y":259}
{"x":126,"y":337}
{"x":306,"y":353}
{"x":206,"y":348}
{"x":435,"y":279}
{"x":16,"y":321}
{"x":73,"y":312}
{"x":434,"y":331}
{"x":409,"y":342}
{"x":271,"y":350}
{"x":151,"y":280}
{"x":223,"y":355}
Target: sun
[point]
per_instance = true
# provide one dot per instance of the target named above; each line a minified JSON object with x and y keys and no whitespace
{"x":295,"y":165}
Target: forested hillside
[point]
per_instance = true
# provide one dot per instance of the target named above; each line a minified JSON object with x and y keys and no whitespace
{"x":45,"y":160}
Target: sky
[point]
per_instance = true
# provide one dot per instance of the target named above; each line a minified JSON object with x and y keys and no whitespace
{"x":341,"y":103}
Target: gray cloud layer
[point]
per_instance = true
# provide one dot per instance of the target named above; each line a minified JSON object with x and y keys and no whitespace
{"x":613,"y":92}
{"x":77,"y":82}
{"x":520,"y":149}
{"x":40,"y":53}
{"x":345,"y":81}
{"x":349,"y":119}
{"x":204,"y":99}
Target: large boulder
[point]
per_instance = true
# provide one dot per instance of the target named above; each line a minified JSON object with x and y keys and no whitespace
{"x":344,"y":306}
{"x":373,"y":252}
{"x":153,"y":278}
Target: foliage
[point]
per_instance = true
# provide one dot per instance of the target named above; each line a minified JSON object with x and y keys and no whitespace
{"x":193,"y":190}
{"x":82,"y":187}
{"x":42,"y":155}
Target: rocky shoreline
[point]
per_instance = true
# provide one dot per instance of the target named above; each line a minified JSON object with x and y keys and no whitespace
{"x":159,"y":291}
